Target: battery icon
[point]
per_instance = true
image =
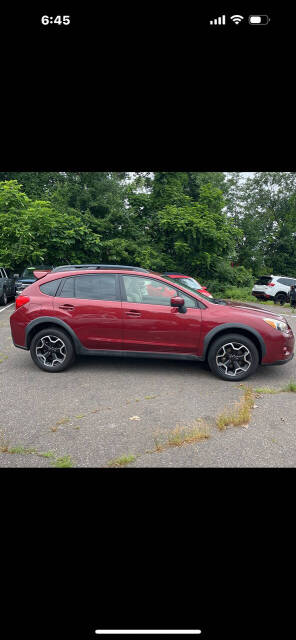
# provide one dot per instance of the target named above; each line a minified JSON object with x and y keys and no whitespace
{"x":259,"y":19}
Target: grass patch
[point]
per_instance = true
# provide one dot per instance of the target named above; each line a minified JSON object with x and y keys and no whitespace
{"x":83,"y":415}
{"x":21,"y":450}
{"x":150,"y":397}
{"x":266,"y":390}
{"x":291,"y":386}
{"x":188,"y":434}
{"x":61,"y":463}
{"x":4,"y":444}
{"x":181,"y":434}
{"x":122,"y":461}
{"x":46,"y":454}
{"x":56,"y":462}
{"x":59,"y":423}
{"x":238,"y":416}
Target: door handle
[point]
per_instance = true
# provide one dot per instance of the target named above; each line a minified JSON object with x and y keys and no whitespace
{"x":133,"y":314}
{"x":69,"y":307}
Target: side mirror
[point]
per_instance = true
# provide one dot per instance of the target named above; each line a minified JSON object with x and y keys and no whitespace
{"x":16,"y":275}
{"x":177,"y":302}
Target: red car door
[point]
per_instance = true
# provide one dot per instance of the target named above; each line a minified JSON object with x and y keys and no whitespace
{"x":91,"y":305}
{"x":150,"y":323}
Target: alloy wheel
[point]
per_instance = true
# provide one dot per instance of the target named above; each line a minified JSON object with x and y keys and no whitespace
{"x":51,"y":350}
{"x":233,"y":358}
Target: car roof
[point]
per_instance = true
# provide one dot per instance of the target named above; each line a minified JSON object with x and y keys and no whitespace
{"x":96,"y":266}
{"x":176,"y":274}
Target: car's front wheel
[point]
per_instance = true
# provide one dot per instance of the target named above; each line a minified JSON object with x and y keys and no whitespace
{"x":233,"y":357}
{"x":52,"y":350}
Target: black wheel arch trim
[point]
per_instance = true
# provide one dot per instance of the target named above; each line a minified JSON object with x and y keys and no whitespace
{"x":82,"y":350}
{"x":214,"y":333}
{"x":54,"y":321}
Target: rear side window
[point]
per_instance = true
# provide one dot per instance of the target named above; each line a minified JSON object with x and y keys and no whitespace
{"x":50,"y":288}
{"x":264,"y":280}
{"x":97,"y":287}
{"x":286,"y":281}
{"x":67,"y":289}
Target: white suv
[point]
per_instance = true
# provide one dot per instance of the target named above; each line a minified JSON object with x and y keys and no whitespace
{"x":276,"y":288}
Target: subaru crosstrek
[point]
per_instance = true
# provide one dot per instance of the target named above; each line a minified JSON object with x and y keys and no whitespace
{"x":116,"y":313}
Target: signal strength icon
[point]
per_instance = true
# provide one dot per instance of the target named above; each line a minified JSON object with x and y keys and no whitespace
{"x":236,"y":19}
{"x":220,"y":20}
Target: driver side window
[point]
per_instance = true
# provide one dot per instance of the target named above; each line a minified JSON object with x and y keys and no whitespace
{"x":148,"y":290}
{"x":189,"y":302}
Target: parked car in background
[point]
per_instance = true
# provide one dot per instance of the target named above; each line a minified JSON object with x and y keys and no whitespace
{"x":7,"y":285}
{"x":276,"y":288}
{"x":27,"y":277}
{"x":116,"y":312}
{"x":188,"y":281}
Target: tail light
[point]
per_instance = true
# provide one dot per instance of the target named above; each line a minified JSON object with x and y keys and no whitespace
{"x":20,"y":300}
{"x":271,"y":284}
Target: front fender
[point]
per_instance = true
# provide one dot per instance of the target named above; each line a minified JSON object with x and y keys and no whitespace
{"x":232,"y":326}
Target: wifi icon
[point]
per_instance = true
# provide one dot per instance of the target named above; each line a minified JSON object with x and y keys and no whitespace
{"x":236,"y":19}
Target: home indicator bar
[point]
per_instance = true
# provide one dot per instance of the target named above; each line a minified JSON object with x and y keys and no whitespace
{"x":148,"y":632}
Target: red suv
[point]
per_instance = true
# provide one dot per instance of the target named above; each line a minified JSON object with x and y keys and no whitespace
{"x":117,"y":313}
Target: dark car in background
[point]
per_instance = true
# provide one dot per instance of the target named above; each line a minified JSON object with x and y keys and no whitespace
{"x":27,"y":277}
{"x":7,"y":285}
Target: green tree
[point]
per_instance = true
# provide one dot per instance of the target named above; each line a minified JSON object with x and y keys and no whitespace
{"x":197,"y":234}
{"x":263,"y":208}
{"x":34,"y":231}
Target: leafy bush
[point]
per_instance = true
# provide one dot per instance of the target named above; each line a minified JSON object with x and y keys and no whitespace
{"x":238,"y":293}
{"x":230,"y":282}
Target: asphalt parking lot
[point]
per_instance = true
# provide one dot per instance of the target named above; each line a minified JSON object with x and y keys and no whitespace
{"x":105,"y":409}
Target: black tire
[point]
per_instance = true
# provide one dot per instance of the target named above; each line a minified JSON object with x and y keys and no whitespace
{"x":45,"y":352}
{"x":4,"y":299}
{"x":224,"y":360}
{"x":280,"y":298}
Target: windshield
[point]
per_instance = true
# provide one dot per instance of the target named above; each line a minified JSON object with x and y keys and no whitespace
{"x":190,"y":282}
{"x":190,"y":288}
{"x":264,"y":280}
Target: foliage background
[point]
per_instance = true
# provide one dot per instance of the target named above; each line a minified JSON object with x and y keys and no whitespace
{"x":218,"y":227}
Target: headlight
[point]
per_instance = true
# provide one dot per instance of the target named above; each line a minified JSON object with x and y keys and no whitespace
{"x":276,"y":324}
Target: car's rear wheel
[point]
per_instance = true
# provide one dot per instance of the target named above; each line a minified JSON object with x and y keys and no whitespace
{"x":4,"y":299}
{"x":233,"y":357}
{"x":280,"y":298}
{"x":52,"y":350}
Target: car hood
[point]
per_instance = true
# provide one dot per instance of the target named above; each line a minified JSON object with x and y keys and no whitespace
{"x":251,"y":308}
